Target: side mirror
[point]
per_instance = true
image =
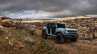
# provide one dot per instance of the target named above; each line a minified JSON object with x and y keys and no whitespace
{"x":69,"y":27}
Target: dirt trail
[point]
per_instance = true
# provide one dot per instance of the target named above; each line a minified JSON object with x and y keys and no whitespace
{"x":68,"y":47}
{"x":78,"y":48}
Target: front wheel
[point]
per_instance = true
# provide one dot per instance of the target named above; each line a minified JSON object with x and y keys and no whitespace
{"x":74,"y":39}
{"x":44,"y":35}
{"x":59,"y":39}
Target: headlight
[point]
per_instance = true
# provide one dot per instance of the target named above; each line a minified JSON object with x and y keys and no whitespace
{"x":67,"y":32}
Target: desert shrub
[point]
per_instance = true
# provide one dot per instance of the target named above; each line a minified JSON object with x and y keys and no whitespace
{"x":18,"y":25}
{"x":25,"y":27}
{"x":32,"y":32}
{"x":1,"y":31}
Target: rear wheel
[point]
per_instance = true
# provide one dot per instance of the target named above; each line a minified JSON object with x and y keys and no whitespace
{"x":59,"y":39}
{"x":44,"y":34}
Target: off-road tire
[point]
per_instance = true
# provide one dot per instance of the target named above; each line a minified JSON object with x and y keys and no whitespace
{"x":74,"y":39}
{"x":59,"y":39}
{"x":44,"y":34}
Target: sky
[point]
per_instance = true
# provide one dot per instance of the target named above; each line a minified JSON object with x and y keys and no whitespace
{"x":46,"y":8}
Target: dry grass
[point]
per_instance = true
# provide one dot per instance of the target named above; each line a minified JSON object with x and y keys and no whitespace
{"x":19,"y":41}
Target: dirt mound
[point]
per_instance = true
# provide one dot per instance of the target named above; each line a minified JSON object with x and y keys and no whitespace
{"x":6,"y":22}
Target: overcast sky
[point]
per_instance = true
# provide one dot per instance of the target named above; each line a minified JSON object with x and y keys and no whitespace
{"x":45,"y":8}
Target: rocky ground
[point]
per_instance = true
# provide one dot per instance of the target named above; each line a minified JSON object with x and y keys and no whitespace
{"x":18,"y":38}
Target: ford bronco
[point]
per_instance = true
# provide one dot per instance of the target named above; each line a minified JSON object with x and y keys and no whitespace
{"x":61,"y":32}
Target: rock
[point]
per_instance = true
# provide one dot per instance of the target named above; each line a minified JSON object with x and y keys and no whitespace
{"x":10,"y":43}
{"x":7,"y":38}
{"x":29,"y":41}
{"x":1,"y":27}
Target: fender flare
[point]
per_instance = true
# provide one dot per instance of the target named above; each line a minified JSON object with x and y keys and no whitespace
{"x":60,"y":33}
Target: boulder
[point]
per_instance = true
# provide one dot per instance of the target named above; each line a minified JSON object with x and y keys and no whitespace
{"x":1,"y":27}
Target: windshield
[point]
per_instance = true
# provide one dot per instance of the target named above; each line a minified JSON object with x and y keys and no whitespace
{"x":62,"y":26}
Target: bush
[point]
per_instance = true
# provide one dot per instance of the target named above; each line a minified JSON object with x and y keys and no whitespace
{"x":1,"y":31}
{"x":32,"y":32}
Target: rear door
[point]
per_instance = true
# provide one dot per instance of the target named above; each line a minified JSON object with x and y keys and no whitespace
{"x":48,"y":28}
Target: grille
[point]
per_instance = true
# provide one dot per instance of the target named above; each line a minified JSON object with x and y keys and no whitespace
{"x":72,"y":32}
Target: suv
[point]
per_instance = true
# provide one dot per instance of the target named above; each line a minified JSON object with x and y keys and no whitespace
{"x":61,"y":32}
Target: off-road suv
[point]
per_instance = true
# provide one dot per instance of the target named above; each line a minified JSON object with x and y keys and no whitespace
{"x":61,"y":32}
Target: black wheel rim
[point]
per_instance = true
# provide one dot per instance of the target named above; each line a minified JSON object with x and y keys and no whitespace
{"x":58,"y":39}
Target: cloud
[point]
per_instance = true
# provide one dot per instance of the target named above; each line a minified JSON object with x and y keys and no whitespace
{"x":28,"y":14}
{"x":24,"y":8}
{"x":82,"y":5}
{"x":36,"y":14}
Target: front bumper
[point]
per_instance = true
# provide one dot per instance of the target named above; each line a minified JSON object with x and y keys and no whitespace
{"x":70,"y":36}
